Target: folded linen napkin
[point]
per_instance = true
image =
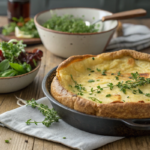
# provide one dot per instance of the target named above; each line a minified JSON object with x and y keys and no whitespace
{"x":136,"y":37}
{"x":75,"y":138}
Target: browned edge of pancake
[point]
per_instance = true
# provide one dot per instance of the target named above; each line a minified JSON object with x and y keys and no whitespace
{"x":127,"y":110}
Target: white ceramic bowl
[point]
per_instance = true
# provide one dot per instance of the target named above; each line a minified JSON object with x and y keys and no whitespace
{"x":12,"y":84}
{"x":67,"y":44}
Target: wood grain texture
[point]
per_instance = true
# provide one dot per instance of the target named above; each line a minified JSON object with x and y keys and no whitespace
{"x":34,"y":90}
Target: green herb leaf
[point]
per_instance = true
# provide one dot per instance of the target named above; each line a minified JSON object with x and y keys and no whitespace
{"x":117,"y":78}
{"x":99,"y":70}
{"x":6,"y":141}
{"x":91,"y":80}
{"x":134,"y":91}
{"x":119,"y":73}
{"x":95,"y":99}
{"x":4,"y":65}
{"x":9,"y":73}
{"x":147,"y":94}
{"x":68,"y":23}
{"x":50,"y":114}
{"x":110,"y":85}
{"x":27,"y":67}
{"x":18,"y":68}
{"x":140,"y":91}
{"x":93,"y":58}
{"x":10,"y":50}
{"x":104,"y":73}
{"x":108,"y":95}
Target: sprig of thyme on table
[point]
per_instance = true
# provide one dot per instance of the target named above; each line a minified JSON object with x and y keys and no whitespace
{"x":50,"y":114}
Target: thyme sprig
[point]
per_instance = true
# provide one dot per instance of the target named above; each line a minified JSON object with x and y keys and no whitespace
{"x":79,"y":87}
{"x":50,"y":114}
{"x":95,"y":99}
{"x":130,"y":84}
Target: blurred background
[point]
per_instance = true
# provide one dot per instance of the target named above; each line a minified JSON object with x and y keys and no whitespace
{"x":110,"y":5}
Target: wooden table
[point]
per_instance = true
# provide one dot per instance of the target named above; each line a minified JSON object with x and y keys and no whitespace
{"x":34,"y":90}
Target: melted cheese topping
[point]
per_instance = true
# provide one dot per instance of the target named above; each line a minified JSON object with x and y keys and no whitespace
{"x":88,"y":70}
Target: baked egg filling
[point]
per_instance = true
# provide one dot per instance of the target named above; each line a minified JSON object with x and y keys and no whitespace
{"x":105,"y":81}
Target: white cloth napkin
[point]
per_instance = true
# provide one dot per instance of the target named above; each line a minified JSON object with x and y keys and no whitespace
{"x":75,"y":138}
{"x":136,"y":37}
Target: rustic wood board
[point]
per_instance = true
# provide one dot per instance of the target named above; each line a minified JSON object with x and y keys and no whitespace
{"x":34,"y":90}
{"x":28,"y":41}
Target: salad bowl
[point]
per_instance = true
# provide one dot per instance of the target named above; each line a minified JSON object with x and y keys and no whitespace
{"x":65,"y":44}
{"x":12,"y":84}
{"x":18,"y":67}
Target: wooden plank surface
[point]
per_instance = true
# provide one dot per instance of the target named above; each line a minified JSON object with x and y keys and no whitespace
{"x":34,"y":90}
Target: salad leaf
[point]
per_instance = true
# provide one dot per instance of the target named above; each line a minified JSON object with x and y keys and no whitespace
{"x":26,"y":26}
{"x":68,"y":23}
{"x":27,"y":67}
{"x":11,"y":50}
{"x":9,"y":73}
{"x":9,"y":28}
{"x":4,"y":65}
{"x":19,"y":68}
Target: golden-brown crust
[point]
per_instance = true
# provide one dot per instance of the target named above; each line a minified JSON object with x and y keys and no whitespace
{"x":126,"y":110}
{"x":111,"y":110}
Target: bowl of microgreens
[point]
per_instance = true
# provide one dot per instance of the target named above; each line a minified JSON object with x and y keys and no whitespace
{"x":64,"y":31}
{"x":18,"y":67}
{"x":20,"y":29}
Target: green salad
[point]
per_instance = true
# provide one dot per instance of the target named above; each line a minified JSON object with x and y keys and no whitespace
{"x":14,"y":60}
{"x":69,"y":23}
{"x":22,"y":27}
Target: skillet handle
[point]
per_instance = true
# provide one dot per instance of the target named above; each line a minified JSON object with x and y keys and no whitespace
{"x":138,"y":124}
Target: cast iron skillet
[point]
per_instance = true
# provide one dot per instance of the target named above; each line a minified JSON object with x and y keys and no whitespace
{"x":94,"y":124}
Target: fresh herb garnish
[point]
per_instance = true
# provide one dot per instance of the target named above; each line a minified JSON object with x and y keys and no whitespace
{"x":104,"y":73}
{"x":127,"y":96}
{"x":123,"y":100}
{"x":134,"y":91}
{"x":98,"y":87}
{"x":91,"y":80}
{"x":110,"y":85}
{"x":6,"y":141}
{"x":140,"y":91}
{"x":68,"y":23}
{"x":50,"y":114}
{"x":119,"y":73}
{"x":130,"y":84}
{"x":147,"y":94}
{"x":108,"y":95}
{"x":117,"y":78}
{"x":79,"y":87}
{"x":95,"y":99}
{"x":64,"y":137}
{"x":93,"y":58}
{"x":99,"y":70}
{"x":112,"y":73}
